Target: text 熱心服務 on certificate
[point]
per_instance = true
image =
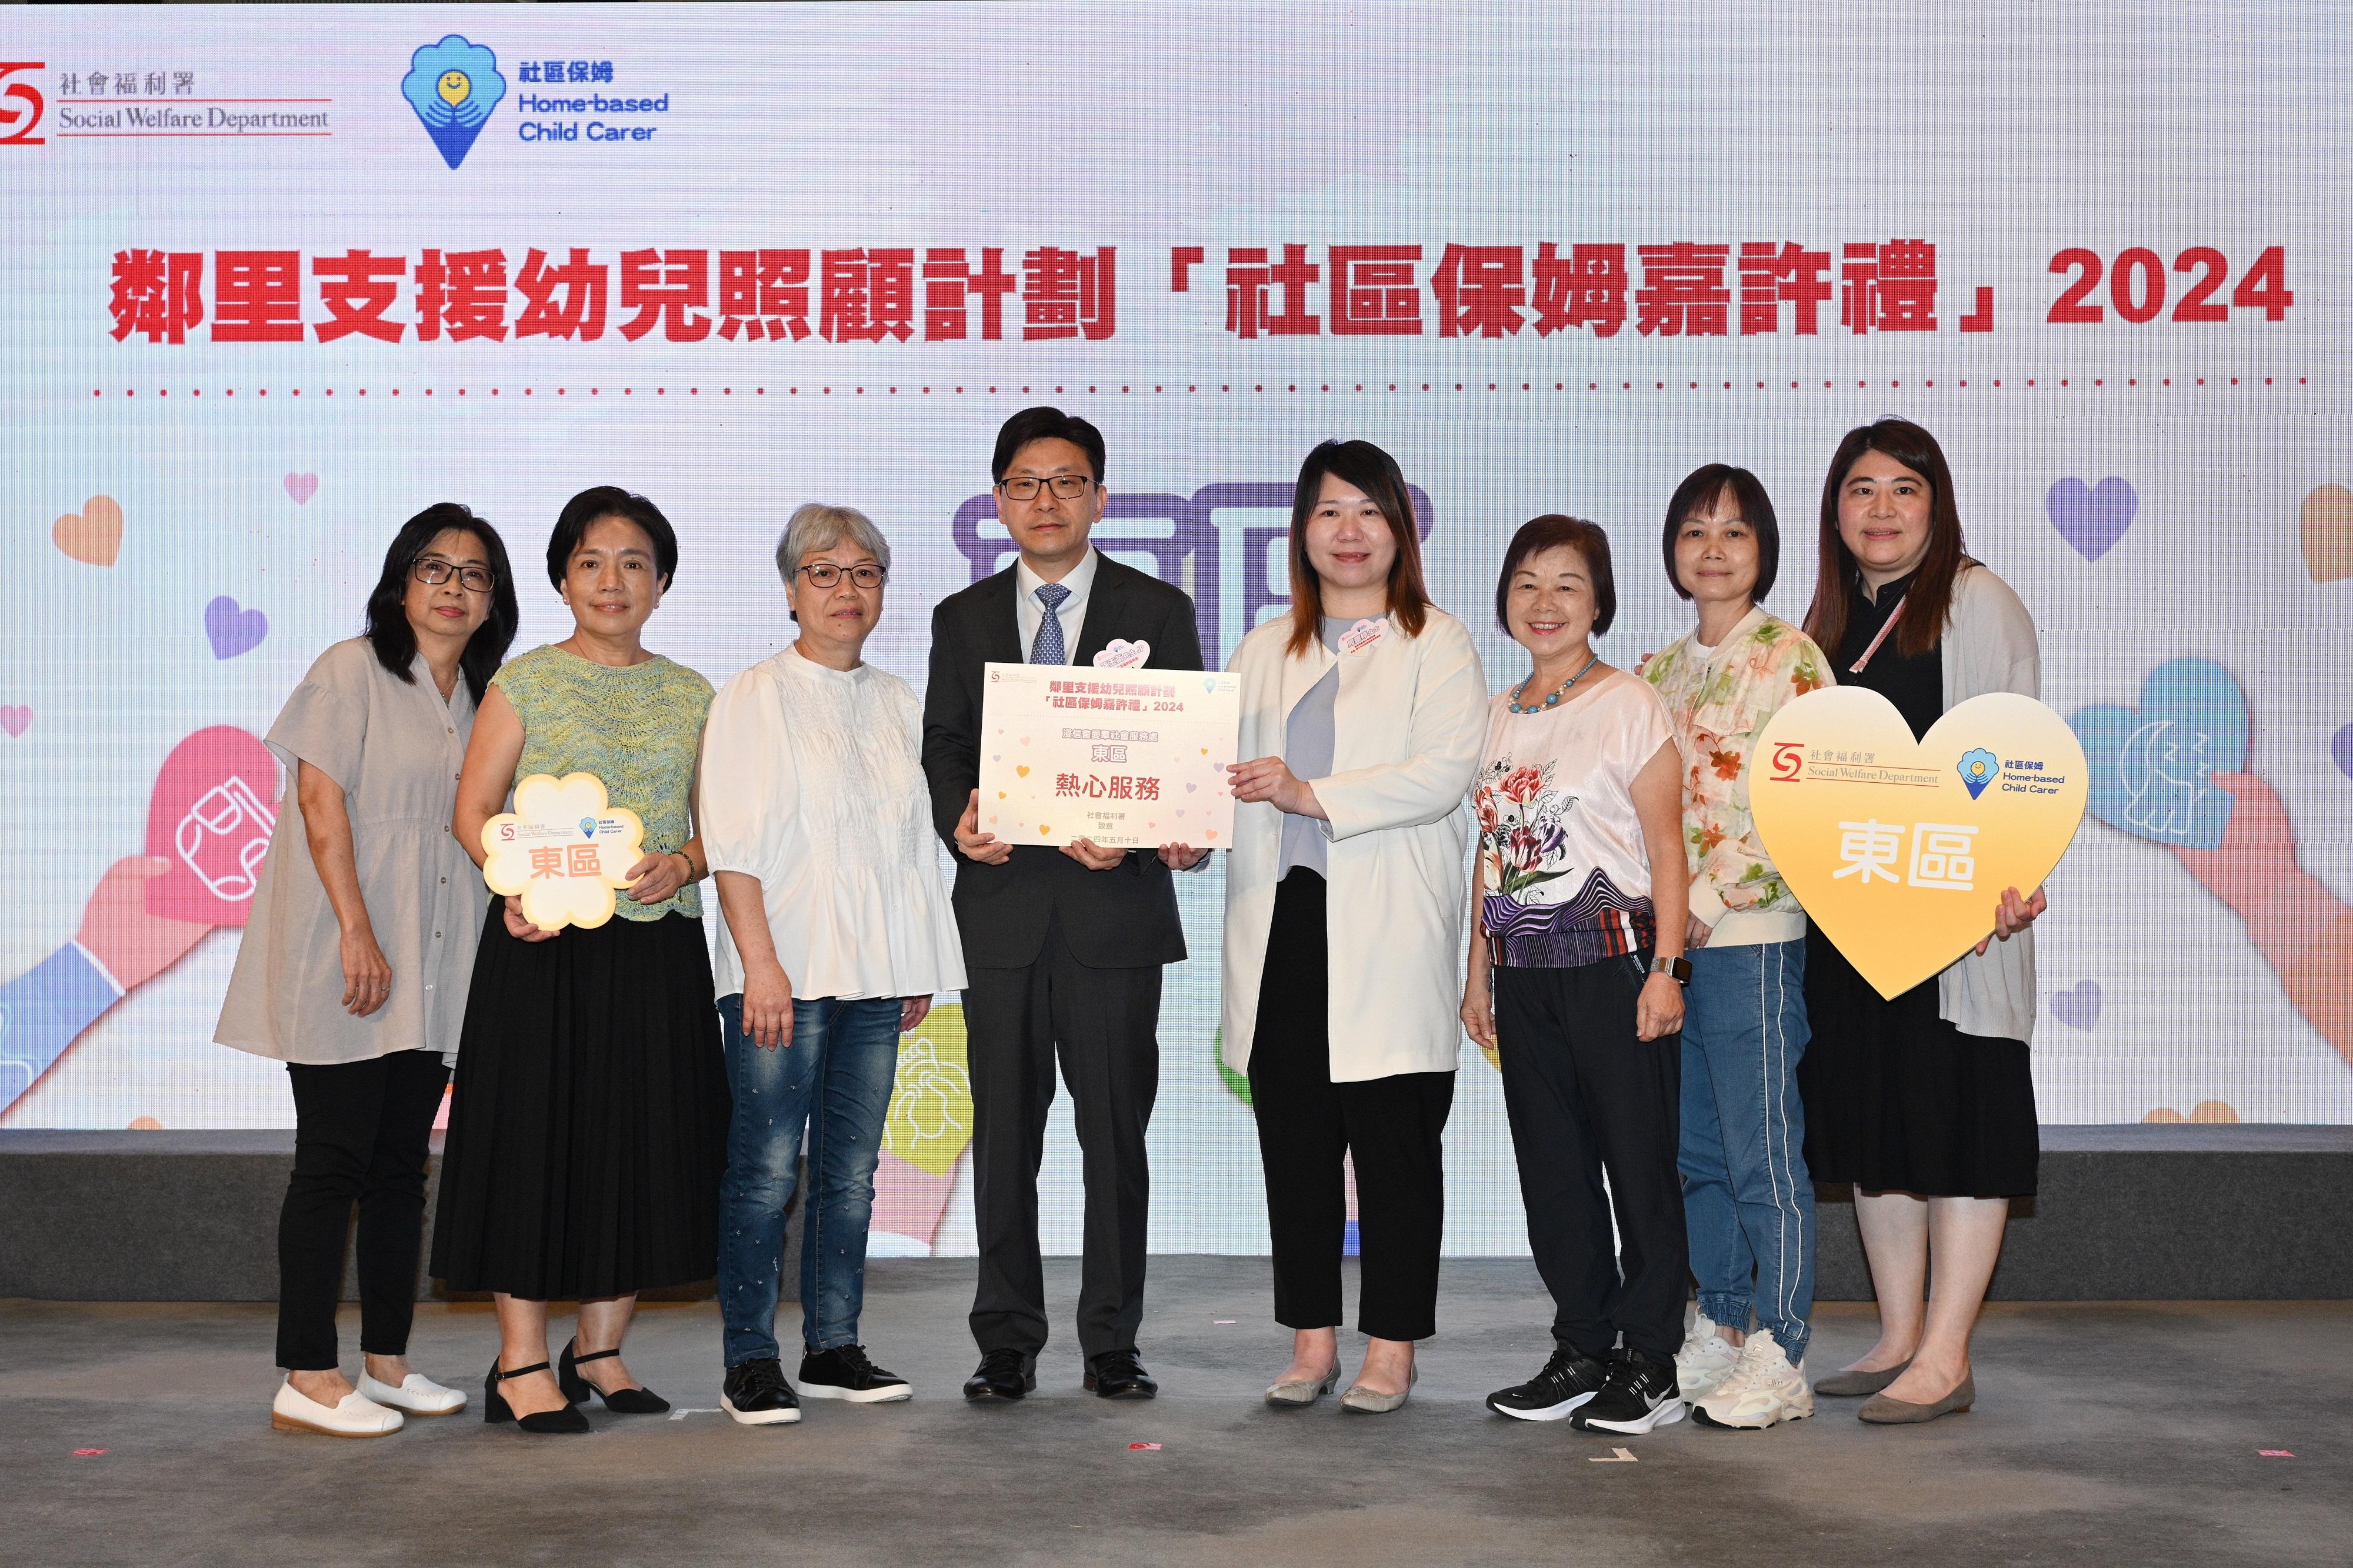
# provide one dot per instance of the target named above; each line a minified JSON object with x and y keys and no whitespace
{"x":1129,"y":758}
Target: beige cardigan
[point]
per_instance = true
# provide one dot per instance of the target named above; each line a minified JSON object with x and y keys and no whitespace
{"x":1990,"y":646}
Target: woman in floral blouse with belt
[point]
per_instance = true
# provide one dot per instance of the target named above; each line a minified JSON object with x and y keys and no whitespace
{"x":1748,"y":1203}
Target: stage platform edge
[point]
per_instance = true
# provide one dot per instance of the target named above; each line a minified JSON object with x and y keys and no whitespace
{"x":2180,"y":1211}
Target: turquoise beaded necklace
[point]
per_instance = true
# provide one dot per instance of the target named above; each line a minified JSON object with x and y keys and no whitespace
{"x":1558,"y":692}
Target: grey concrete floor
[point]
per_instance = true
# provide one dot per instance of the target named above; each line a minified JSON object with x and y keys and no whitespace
{"x":2101,"y":1433}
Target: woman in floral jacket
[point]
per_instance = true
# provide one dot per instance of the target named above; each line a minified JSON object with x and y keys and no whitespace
{"x":1748,"y":1206}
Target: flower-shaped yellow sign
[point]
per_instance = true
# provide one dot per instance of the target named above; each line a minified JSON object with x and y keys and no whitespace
{"x":564,"y":848}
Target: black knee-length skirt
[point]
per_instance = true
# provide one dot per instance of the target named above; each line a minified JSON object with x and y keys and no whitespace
{"x":588,"y":1121}
{"x":1897,"y":1100}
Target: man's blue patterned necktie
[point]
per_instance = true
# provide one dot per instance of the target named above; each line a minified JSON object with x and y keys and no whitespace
{"x":1048,"y":648}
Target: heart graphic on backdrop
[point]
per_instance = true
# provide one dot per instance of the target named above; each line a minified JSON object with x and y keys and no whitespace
{"x":15,"y":720}
{"x":301,"y":486}
{"x":2149,"y":764}
{"x":92,"y":535}
{"x":2079,"y":1004}
{"x":2205,"y":1110}
{"x":210,"y":814}
{"x":2329,"y":533}
{"x":231,"y":630}
{"x":2340,"y":749}
{"x":2092,"y":518}
{"x":1880,"y":837}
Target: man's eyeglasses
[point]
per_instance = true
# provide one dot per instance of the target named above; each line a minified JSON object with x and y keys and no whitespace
{"x":1066,"y":487}
{"x":433,"y":571}
{"x":827,"y":575}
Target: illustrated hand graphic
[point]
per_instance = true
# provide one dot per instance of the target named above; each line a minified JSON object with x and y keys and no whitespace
{"x":134,"y":945}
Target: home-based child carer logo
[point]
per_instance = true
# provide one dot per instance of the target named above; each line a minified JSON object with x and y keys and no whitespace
{"x":453,"y":86}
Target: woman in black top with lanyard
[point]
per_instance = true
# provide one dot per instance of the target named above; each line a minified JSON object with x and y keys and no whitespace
{"x":1926,"y":1103}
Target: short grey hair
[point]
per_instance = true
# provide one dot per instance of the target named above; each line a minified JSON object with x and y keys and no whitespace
{"x":815,"y":526}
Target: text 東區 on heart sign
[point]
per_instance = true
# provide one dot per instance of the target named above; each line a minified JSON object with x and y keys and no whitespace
{"x":1900,"y":850}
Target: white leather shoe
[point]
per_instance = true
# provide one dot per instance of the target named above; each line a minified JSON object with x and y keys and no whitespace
{"x":353,"y":1415}
{"x":418,"y":1394}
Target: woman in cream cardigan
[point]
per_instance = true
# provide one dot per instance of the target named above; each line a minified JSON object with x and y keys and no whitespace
{"x":1346,"y":895}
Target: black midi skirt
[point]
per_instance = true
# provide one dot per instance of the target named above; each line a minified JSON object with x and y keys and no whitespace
{"x":588,"y":1121}
{"x":1897,"y":1100}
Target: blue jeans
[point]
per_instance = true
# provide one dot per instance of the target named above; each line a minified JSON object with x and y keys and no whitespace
{"x":1748,"y":1203}
{"x":834,"y":1079}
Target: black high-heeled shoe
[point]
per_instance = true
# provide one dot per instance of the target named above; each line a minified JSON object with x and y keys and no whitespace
{"x":620,"y":1402}
{"x":542,"y":1423}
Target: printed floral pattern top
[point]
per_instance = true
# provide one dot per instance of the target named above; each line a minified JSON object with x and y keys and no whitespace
{"x":1720,"y":698}
{"x":1565,"y":874}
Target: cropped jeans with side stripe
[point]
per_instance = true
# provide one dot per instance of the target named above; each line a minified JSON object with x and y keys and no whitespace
{"x":1748,"y":1202}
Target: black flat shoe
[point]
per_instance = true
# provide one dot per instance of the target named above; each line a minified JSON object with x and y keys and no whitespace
{"x":1001,"y":1376}
{"x":620,"y":1402}
{"x":1120,"y":1375}
{"x":543,"y":1422}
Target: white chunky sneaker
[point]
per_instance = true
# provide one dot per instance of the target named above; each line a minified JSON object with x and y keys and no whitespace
{"x":1707,"y":1359}
{"x":1763,"y":1390}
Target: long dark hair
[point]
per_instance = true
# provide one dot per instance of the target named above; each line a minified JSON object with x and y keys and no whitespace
{"x":1375,"y":472}
{"x":388,"y":630}
{"x":1928,"y":603}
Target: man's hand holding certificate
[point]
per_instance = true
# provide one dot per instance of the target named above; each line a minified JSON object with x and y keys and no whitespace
{"x":1124,"y":759}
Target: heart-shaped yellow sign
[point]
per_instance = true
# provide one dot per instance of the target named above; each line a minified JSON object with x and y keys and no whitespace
{"x":1900,"y":850}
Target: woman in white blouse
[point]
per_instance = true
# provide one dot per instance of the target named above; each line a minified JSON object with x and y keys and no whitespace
{"x":1362,"y":711}
{"x":836,"y":934}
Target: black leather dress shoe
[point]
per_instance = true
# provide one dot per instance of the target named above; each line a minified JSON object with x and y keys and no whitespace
{"x":1001,"y":1375}
{"x":1120,"y":1375}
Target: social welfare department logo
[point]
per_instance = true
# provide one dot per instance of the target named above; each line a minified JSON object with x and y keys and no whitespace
{"x":20,"y":118}
{"x":453,"y":86}
{"x":1978,"y":768}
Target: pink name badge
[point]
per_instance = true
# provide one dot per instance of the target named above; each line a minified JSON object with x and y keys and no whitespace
{"x":1124,"y":654}
{"x":1364,"y":635}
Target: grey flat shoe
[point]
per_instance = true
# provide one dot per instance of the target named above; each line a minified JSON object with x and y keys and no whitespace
{"x":1294,"y":1391}
{"x":1855,"y":1384}
{"x":1370,"y":1402}
{"x":1882,"y":1411}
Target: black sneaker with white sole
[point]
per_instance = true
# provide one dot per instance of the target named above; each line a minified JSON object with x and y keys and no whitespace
{"x":1641,"y":1394}
{"x":757,"y":1394}
{"x":1568,"y":1381}
{"x":844,"y":1372}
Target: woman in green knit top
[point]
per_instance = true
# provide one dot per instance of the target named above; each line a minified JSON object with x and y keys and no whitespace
{"x":588,"y":1128}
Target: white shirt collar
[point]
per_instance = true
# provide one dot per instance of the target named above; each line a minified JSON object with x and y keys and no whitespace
{"x":1078,"y":580}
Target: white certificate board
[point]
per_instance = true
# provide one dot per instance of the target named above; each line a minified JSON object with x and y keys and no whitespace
{"x":1130,"y":759}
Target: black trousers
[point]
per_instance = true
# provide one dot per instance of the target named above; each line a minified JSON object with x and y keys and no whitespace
{"x":360,"y":1134}
{"x":1103,"y":1026}
{"x":1585,"y":1096}
{"x":1393,"y":1126}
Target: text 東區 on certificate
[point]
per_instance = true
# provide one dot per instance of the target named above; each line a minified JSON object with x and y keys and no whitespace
{"x":1129,"y":758}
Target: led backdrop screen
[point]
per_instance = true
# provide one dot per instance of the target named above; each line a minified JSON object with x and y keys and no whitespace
{"x":275,"y":278}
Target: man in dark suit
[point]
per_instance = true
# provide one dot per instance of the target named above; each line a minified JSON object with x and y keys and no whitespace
{"x":1064,"y":945}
